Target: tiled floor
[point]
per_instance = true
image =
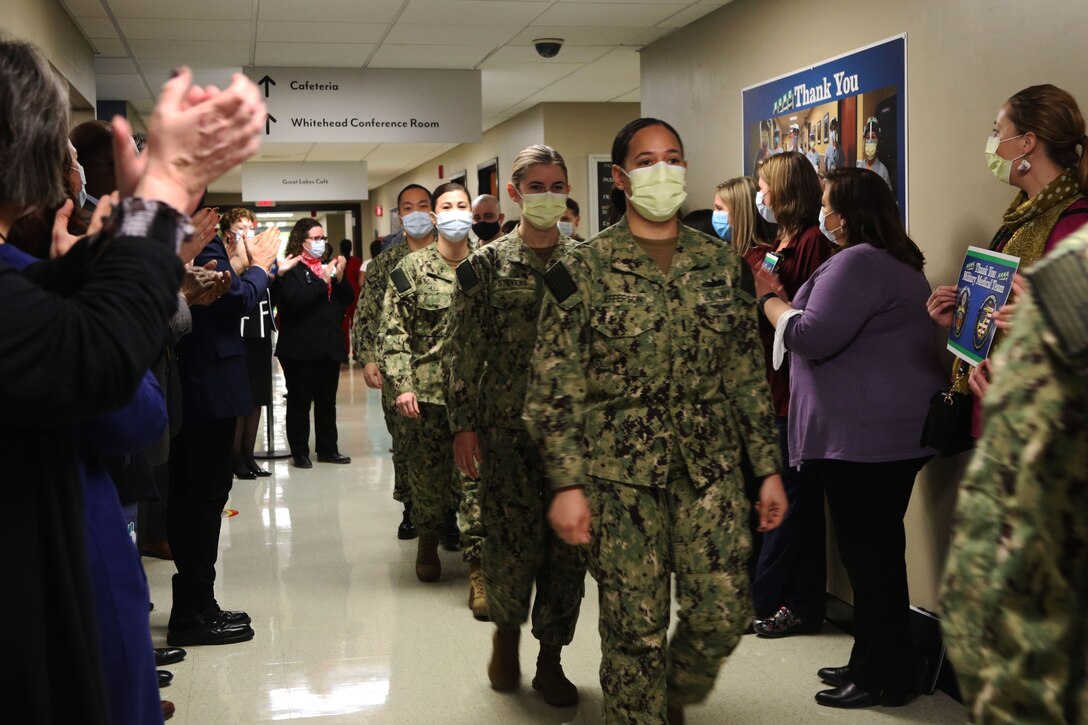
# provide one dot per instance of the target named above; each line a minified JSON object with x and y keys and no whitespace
{"x":346,"y":634}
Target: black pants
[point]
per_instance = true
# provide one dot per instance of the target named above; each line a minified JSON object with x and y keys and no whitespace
{"x":867,"y":503}
{"x":311,"y":382}
{"x":792,"y":568}
{"x":200,"y":481}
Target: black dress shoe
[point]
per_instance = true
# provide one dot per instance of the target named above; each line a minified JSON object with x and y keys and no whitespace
{"x":244,"y":474}
{"x":835,"y":676}
{"x":207,"y":629}
{"x":231,"y":617}
{"x":168,"y":656}
{"x":333,"y":458}
{"x":257,"y":470}
{"x":164,"y":677}
{"x":303,"y":462}
{"x":850,"y":696}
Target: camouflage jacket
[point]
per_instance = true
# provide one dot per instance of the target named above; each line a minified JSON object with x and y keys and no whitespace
{"x":415,"y":316}
{"x":366,"y":327}
{"x":493,"y":323}
{"x":1015,"y":575}
{"x":632,"y":366}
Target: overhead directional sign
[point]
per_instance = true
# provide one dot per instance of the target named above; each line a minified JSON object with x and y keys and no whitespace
{"x":309,"y":105}
{"x":304,"y":181}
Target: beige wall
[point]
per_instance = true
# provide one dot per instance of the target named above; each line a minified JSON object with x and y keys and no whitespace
{"x":964,"y":58}
{"x":46,"y":24}
{"x":574,"y":129}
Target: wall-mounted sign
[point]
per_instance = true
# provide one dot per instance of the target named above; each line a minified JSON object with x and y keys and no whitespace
{"x":846,"y":111}
{"x":600,"y":192}
{"x":305,"y":181}
{"x":362,"y":105}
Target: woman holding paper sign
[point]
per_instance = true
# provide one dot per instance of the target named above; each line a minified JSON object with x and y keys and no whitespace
{"x":1038,"y":145}
{"x":863,"y":367}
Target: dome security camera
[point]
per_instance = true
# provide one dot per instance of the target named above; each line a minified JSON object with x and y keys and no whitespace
{"x":548,"y":47}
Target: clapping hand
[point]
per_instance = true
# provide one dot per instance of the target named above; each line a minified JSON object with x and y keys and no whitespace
{"x":287,"y":263}
{"x":62,"y":240}
{"x":264,"y":247}
{"x":204,"y":285}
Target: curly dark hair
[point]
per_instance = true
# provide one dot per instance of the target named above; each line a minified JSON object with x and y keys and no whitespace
{"x":298,"y":235}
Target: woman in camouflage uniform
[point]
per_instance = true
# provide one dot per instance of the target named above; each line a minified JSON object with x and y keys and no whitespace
{"x":647,"y":379}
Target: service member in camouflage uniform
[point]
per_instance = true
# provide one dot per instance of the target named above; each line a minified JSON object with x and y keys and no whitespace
{"x":415,"y":317}
{"x":414,"y":207}
{"x":493,"y":324}
{"x":647,"y":379}
{"x":1015,"y":598}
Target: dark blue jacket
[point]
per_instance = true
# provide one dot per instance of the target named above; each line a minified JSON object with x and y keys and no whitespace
{"x":211,"y":359}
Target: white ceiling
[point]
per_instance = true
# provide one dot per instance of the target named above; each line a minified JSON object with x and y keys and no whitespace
{"x":138,"y":43}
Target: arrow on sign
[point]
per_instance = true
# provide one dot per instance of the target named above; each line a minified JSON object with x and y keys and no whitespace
{"x":268,"y":121}
{"x":266,"y":81}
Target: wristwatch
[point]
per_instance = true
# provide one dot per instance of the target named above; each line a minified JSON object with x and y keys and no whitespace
{"x":762,"y":301}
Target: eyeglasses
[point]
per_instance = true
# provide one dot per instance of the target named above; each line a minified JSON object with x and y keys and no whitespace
{"x":317,"y":239}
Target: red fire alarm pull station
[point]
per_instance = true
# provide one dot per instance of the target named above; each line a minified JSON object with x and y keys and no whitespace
{"x":441,"y":174}
{"x":379,"y":210}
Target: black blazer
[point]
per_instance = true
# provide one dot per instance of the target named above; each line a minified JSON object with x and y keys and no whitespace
{"x":310,"y":317}
{"x":211,"y":359}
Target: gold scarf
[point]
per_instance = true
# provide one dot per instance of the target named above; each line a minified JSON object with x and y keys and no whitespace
{"x":1028,"y":225}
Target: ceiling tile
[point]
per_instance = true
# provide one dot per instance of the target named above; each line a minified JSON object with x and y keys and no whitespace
{"x":472,"y":12}
{"x":107,"y":66}
{"x":486,"y":37}
{"x":579,"y":34}
{"x":427,"y":56}
{"x":518,"y":75}
{"x":634,"y":96}
{"x":313,"y":55}
{"x":187,"y":10}
{"x":227,"y":31}
{"x":686,"y":16}
{"x":97,"y":27}
{"x":85,"y":8}
{"x":228,"y":53}
{"x":340,"y":151}
{"x":644,"y":39}
{"x":522,"y":54}
{"x":598,"y":14}
{"x":110,"y":87}
{"x":298,"y":31}
{"x":157,"y":71}
{"x":331,"y":11}
{"x":282,"y":150}
{"x":109,"y":47}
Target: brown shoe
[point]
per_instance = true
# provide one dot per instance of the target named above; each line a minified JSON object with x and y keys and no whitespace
{"x":167,"y":709}
{"x":675,"y":715}
{"x":477,"y":598}
{"x":557,"y":690}
{"x":504,"y":669}
{"x":428,"y":565}
{"x":157,"y":550}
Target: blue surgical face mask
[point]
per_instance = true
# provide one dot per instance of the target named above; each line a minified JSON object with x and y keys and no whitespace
{"x":720,"y":220}
{"x":829,"y":233}
{"x":317,"y":249}
{"x":418,"y":224}
{"x":764,"y":211}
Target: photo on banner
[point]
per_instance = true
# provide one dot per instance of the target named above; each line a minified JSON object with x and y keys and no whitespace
{"x":843,"y":112}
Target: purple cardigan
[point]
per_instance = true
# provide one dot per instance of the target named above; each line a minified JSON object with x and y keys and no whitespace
{"x":864,"y":360}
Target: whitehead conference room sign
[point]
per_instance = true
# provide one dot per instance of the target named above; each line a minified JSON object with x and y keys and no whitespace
{"x":304,"y":181}
{"x":362,"y":105}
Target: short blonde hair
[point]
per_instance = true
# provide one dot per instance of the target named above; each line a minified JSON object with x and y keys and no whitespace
{"x":739,"y":194}
{"x":531,"y":156}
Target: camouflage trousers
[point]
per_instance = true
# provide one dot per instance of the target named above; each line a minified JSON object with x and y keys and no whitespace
{"x":436,"y":482}
{"x":394,"y":423}
{"x":520,"y":548}
{"x":640,"y":537}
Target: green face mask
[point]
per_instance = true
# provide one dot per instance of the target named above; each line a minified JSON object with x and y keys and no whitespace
{"x":543,"y":210}
{"x":657,"y":191}
{"x":1002,"y":168}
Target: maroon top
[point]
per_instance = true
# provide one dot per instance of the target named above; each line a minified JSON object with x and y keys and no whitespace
{"x":802,"y":256}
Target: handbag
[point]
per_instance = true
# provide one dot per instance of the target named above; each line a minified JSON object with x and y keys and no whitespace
{"x":948,"y":422}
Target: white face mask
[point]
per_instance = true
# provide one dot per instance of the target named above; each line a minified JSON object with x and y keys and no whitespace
{"x":454,"y":224}
{"x":764,"y":211}
{"x":82,"y":185}
{"x":418,"y":224}
{"x":317,"y":249}
{"x":657,"y":191}
{"x":566,"y":228}
{"x":829,"y":233}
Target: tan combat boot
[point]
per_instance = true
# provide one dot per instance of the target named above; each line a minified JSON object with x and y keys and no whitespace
{"x":428,"y":565}
{"x":550,"y":680}
{"x":477,"y":599}
{"x":504,"y":669}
